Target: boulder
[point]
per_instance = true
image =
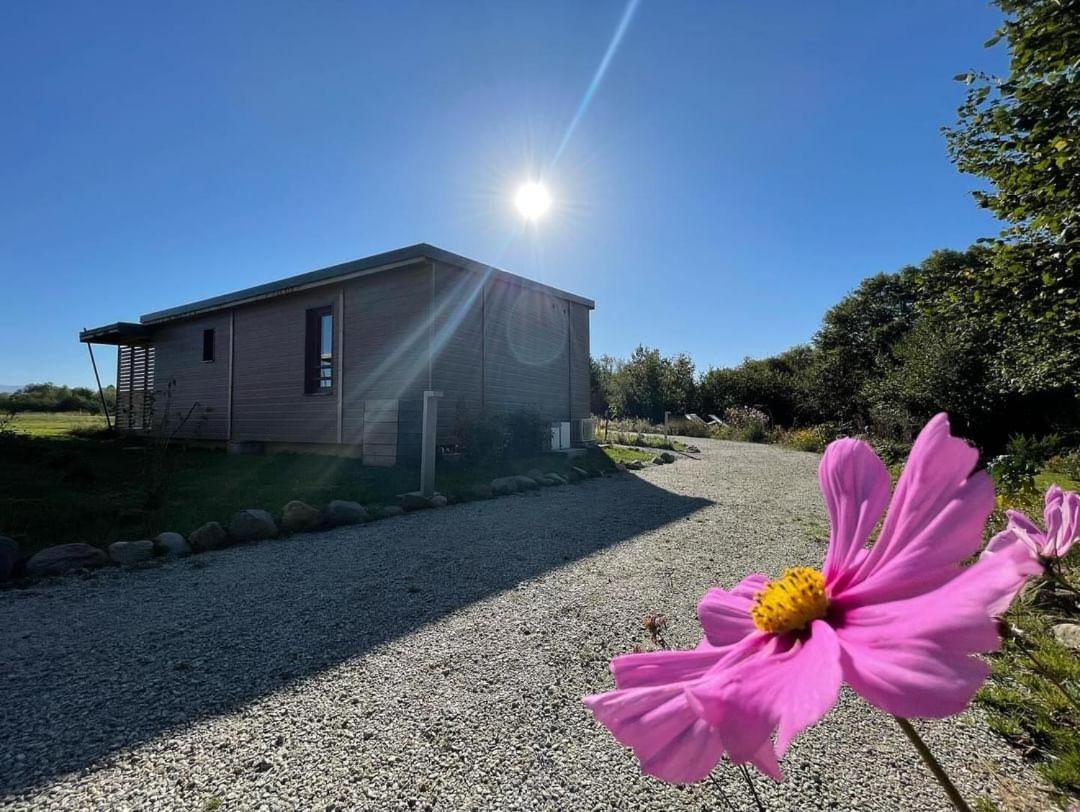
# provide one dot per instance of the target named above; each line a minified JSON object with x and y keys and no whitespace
{"x":620,"y":467}
{"x":390,"y":511}
{"x":210,"y":536}
{"x":131,"y":552}
{"x":9,"y":556}
{"x":172,"y":544}
{"x":693,"y":449}
{"x":572,"y":476}
{"x":504,"y":485}
{"x":581,"y":472}
{"x":657,"y":460}
{"x":414,"y":501}
{"x":438,"y":500}
{"x":479,"y":491}
{"x":298,"y":516}
{"x":535,"y":473}
{"x":340,"y":512}
{"x":555,"y":479}
{"x":526,"y":483}
{"x":1068,"y":634}
{"x":252,"y":525}
{"x":65,"y":558}
{"x":667,"y":456}
{"x":634,"y":465}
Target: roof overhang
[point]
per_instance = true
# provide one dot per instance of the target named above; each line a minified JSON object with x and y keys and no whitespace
{"x":390,"y":260}
{"x":122,"y":332}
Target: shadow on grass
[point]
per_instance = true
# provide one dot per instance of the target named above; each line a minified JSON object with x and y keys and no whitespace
{"x":91,"y":668}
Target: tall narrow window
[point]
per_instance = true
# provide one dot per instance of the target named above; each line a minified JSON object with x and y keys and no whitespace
{"x":208,"y":345}
{"x":319,"y":351}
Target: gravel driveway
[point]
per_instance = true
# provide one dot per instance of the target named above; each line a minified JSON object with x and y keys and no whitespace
{"x":433,"y":661}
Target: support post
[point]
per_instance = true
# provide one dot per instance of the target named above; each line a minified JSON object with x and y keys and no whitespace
{"x":427,"y":449}
{"x":667,"y":414}
{"x":101,"y":392}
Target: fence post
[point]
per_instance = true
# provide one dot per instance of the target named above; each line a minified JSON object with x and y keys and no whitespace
{"x":427,"y":449}
{"x":666,"y":414}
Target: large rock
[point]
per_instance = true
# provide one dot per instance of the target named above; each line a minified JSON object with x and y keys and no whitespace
{"x":131,"y":552}
{"x":9,"y":556}
{"x":438,"y":500}
{"x":581,"y":472}
{"x":172,"y":544}
{"x":667,"y":456}
{"x":210,"y":536}
{"x":479,"y":491}
{"x":252,"y":525}
{"x":504,"y":485}
{"x":341,"y":512}
{"x":390,"y":511}
{"x":65,"y":558}
{"x":298,"y":516}
{"x":554,"y":479}
{"x":414,"y":501}
{"x":1068,"y":634}
{"x":526,"y":483}
{"x":634,"y":465}
{"x":657,"y":460}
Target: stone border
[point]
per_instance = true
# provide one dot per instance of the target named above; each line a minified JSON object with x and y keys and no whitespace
{"x":255,"y":524}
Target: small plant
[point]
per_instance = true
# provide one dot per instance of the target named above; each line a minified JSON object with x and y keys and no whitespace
{"x":810,"y":438}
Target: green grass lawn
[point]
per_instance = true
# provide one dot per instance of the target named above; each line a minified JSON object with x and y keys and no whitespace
{"x":624,"y":455}
{"x":57,"y":488}
{"x":54,"y":424}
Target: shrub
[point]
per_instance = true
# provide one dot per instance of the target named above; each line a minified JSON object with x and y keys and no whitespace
{"x":1067,"y":464}
{"x":489,"y":437}
{"x":811,"y":438}
{"x":744,"y":424}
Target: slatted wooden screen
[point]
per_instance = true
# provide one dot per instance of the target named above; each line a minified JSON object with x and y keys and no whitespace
{"x":134,"y":388}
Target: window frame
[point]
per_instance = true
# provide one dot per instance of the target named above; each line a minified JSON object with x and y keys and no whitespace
{"x":313,"y":354}
{"x":212,"y":334}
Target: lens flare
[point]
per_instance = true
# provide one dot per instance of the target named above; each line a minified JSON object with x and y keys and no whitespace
{"x":532,"y":200}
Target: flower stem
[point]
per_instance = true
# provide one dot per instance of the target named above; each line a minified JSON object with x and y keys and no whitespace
{"x":931,"y":762}
{"x":723,"y":795}
{"x":753,"y":789}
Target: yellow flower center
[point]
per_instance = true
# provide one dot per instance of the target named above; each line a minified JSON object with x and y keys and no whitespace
{"x":790,"y":603}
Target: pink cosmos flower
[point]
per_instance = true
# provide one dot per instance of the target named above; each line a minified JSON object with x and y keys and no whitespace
{"x":898,"y":621}
{"x":1061,"y":513}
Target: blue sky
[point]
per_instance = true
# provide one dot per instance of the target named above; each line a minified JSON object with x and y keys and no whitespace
{"x":740,"y":167}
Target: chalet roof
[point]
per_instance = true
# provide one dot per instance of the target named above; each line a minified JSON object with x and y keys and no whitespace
{"x":387,"y":261}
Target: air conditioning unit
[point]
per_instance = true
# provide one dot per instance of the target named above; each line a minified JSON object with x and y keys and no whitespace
{"x":587,"y":430}
{"x":560,"y":436}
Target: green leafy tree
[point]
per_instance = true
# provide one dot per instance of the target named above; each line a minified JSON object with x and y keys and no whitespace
{"x":1021,"y":133}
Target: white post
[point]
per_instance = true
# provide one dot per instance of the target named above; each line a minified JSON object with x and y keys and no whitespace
{"x":427,"y":450}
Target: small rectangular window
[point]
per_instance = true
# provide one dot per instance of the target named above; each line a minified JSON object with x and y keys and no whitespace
{"x":319,"y":351}
{"x":208,"y":345}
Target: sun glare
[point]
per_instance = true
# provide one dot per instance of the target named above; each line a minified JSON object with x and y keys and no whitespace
{"x":532,"y":200}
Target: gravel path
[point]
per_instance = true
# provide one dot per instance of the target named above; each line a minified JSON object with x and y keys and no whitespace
{"x":433,"y":661}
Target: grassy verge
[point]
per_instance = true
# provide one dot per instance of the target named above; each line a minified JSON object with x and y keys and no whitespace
{"x":625,"y":455}
{"x":642,"y":440}
{"x":58,"y":488}
{"x":54,"y":424}
{"x":1033,"y":676}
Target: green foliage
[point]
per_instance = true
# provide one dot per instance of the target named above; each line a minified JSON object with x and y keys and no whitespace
{"x":1067,"y":464}
{"x":1014,"y":471}
{"x":811,"y":438}
{"x":1020,"y":133}
{"x":744,"y":424}
{"x":489,"y":437}
{"x":48,"y":397}
{"x":645,"y":386}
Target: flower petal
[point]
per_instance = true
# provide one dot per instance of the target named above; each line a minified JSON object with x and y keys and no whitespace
{"x":1003,"y":544}
{"x":855,"y":484}
{"x":935,"y":521}
{"x":725,"y":616}
{"x":788,"y":684}
{"x":912,"y":657}
{"x":1062,"y":516}
{"x":650,"y":713}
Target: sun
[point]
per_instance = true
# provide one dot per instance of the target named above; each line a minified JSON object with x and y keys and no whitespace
{"x":532,"y":200}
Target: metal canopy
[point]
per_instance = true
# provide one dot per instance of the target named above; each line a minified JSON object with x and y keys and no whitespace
{"x":123,"y":333}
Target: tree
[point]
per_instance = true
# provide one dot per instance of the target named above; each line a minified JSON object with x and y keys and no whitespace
{"x":1021,"y":134}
